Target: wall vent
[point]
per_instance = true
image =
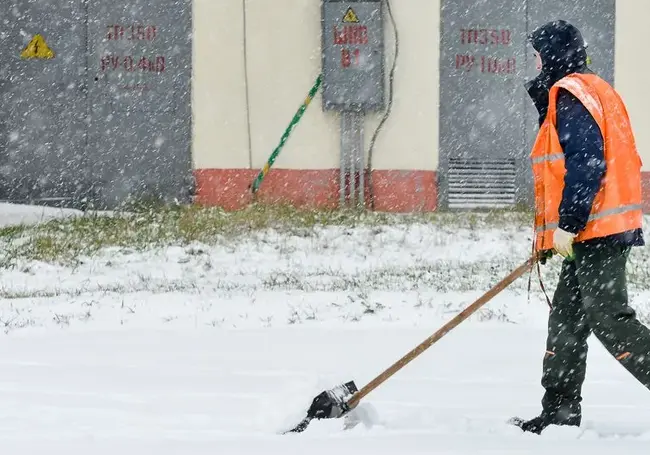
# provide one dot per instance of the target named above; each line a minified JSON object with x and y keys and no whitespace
{"x":481,"y":183}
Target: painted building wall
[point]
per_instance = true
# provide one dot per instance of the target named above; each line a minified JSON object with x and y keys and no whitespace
{"x":630,"y":74}
{"x":254,"y":64}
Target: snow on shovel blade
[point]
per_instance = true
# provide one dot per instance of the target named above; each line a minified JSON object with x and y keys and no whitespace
{"x":329,"y":404}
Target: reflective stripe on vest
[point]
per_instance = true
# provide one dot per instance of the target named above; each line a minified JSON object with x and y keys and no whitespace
{"x":595,"y":216}
{"x":553,"y":157}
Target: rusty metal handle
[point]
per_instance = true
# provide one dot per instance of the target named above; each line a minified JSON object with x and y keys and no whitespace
{"x":467,"y":312}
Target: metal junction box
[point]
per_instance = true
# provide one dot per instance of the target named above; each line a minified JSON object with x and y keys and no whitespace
{"x":353,"y":55}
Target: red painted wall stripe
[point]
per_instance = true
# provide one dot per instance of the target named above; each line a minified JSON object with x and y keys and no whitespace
{"x":394,"y":191}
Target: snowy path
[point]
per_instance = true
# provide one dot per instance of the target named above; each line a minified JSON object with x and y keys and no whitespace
{"x":228,"y":391}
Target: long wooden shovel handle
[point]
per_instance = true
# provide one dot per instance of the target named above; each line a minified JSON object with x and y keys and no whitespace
{"x":467,"y":312}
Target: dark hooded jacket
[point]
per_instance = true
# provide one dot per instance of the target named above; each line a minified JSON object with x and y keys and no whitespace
{"x":563,"y":52}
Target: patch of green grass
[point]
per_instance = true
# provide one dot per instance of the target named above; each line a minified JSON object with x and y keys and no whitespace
{"x":10,"y":231}
{"x":66,"y":241}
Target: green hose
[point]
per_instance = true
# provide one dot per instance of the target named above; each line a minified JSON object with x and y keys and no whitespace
{"x":296,"y":118}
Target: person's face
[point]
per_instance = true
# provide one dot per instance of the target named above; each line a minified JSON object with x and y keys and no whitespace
{"x":538,"y":61}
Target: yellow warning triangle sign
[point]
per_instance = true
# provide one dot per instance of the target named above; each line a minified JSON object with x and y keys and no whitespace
{"x":37,"y":48}
{"x":350,"y":16}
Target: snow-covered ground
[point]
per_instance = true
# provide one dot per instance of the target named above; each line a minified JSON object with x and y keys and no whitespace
{"x":216,"y":349}
{"x":20,"y":214}
{"x":227,"y":391}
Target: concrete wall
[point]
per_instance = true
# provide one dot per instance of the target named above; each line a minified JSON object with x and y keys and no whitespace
{"x":254,"y":64}
{"x":631,"y":69}
{"x":630,"y":76}
{"x":219,"y":86}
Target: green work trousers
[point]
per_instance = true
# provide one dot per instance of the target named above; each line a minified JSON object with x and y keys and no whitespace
{"x":591,"y":297}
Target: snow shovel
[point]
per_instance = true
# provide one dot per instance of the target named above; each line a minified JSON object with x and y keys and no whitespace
{"x":334,"y":403}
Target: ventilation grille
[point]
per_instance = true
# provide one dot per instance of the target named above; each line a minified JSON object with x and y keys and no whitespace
{"x":481,"y":183}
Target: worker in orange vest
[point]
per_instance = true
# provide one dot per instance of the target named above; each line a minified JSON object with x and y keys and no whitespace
{"x":587,"y":182}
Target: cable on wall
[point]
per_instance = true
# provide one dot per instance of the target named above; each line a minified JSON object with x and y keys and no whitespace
{"x":391,"y":82}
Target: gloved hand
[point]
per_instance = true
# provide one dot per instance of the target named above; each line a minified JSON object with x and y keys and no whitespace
{"x":563,"y":243}
{"x":544,"y":256}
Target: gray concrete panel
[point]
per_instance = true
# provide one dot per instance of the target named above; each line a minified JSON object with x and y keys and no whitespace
{"x":140,"y":55}
{"x":42,"y":103}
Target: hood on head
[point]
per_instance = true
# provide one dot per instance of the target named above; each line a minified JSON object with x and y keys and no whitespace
{"x":561,"y":47}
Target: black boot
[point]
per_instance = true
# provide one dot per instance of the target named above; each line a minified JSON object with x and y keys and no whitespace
{"x":565,"y":415}
{"x":538,"y":424}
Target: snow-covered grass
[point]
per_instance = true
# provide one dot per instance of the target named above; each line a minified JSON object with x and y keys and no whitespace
{"x":273,"y":266}
{"x":72,"y":234}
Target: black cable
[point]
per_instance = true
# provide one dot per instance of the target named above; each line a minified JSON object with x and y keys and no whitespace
{"x":391,"y":81}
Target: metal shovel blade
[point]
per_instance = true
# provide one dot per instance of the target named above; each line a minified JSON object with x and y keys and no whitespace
{"x":329,"y":404}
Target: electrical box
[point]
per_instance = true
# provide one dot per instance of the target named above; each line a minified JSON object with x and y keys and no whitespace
{"x":353,"y":55}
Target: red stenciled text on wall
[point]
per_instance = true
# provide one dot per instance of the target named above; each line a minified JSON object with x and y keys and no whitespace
{"x":491,"y":64}
{"x":131,"y":63}
{"x":351,"y":37}
{"x":131,"y":32}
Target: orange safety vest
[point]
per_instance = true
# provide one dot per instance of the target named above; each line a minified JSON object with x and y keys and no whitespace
{"x":617,"y":206}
